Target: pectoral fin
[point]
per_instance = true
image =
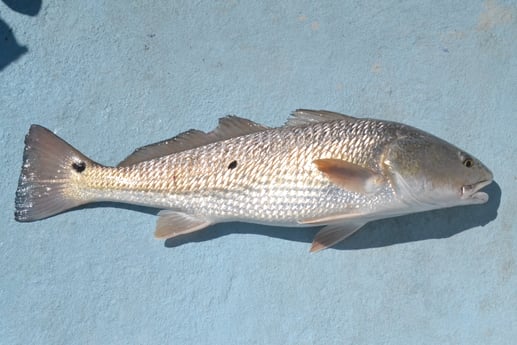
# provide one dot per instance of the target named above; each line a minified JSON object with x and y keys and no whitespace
{"x":349,"y":176}
{"x":173,"y":223}
{"x":332,"y":234}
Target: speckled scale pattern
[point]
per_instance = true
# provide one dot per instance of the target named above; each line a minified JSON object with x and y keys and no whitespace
{"x":274,"y":181}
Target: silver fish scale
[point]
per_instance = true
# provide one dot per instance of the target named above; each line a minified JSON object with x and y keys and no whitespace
{"x":274,"y":181}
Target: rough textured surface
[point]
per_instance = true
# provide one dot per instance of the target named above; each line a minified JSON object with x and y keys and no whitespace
{"x":110,"y":76}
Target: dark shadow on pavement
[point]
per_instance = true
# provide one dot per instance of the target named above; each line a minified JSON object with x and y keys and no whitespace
{"x":10,"y":49}
{"x":27,"y":7}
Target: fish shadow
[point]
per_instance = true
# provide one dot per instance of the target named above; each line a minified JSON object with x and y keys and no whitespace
{"x":112,"y":204}
{"x":422,"y":226}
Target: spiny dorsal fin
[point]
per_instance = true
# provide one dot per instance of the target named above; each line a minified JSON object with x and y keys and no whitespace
{"x":302,"y":117}
{"x":232,"y":126}
{"x":229,"y":127}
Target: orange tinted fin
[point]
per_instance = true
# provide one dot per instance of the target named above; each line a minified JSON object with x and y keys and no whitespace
{"x":350,"y":176}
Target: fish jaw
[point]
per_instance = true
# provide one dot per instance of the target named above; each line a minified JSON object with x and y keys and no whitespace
{"x":471,"y":194}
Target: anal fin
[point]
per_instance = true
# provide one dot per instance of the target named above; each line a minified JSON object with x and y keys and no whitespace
{"x":173,"y":223}
{"x":334,"y":233}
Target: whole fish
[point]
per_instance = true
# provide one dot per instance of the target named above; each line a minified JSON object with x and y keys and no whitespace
{"x":320,"y":168}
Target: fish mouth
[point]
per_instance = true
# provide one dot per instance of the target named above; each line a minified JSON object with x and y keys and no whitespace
{"x":473,"y":195}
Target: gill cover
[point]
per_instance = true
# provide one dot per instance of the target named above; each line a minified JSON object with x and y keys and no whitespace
{"x":431,"y":172}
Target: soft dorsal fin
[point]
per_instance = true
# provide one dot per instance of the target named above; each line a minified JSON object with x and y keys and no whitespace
{"x":179,"y":143}
{"x":229,"y":127}
{"x":302,"y":117}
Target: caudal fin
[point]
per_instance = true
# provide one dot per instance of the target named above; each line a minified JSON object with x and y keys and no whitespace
{"x":50,"y":168}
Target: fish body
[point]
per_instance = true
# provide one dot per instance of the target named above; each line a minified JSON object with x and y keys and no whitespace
{"x":320,"y":168}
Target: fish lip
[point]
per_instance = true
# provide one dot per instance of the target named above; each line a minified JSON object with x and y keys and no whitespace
{"x":471,"y":192}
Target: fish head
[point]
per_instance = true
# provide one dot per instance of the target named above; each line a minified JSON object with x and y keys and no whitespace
{"x":432,"y":173}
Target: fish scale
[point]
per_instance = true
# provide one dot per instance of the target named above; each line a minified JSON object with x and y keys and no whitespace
{"x":270,"y":166}
{"x":321,"y":168}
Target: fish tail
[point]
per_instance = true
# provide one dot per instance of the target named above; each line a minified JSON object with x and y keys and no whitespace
{"x":49,"y":178}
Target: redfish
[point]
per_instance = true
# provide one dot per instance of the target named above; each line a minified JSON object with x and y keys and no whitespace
{"x":320,"y":168}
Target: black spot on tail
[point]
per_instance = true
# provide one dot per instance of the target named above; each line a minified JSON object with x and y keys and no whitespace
{"x":232,"y":165}
{"x":79,"y":167}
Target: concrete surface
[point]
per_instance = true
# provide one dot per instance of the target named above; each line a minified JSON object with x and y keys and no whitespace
{"x":110,"y":76}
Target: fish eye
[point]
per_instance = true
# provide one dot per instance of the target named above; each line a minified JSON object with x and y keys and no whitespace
{"x":468,"y":162}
